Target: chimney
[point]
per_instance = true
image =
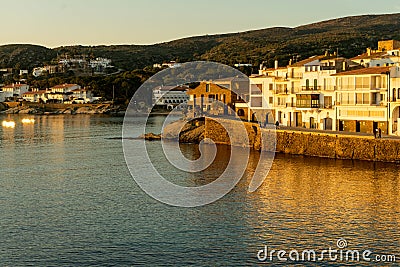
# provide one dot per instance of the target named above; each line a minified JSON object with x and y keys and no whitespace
{"x":261,"y":66}
{"x":290,"y":62}
{"x":368,"y":51}
{"x":276,"y":64}
{"x":326,"y":53}
{"x":344,"y":66}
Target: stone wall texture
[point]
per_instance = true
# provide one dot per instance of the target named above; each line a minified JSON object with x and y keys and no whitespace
{"x":314,"y":144}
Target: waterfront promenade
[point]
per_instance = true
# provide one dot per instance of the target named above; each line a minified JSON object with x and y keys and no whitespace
{"x":336,"y":133}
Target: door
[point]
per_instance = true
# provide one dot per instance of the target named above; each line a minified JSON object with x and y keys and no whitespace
{"x":327,"y":124}
{"x":299,"y":119}
{"x":312,"y":126}
{"x":374,"y":126}
{"x":358,"y":126}
{"x":341,"y":126}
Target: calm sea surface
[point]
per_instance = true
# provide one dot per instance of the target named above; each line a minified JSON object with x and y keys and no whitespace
{"x":67,"y":199}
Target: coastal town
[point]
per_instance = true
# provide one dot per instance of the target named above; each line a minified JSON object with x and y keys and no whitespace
{"x":325,"y":92}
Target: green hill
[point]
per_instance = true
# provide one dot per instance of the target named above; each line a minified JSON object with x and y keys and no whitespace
{"x":350,"y":35}
{"x":24,"y":56}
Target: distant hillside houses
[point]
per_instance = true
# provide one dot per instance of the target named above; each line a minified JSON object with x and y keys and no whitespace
{"x":63,"y":93}
{"x":49,"y":69}
{"x":13,"y":91}
{"x":171,"y":64}
{"x":98,"y":65}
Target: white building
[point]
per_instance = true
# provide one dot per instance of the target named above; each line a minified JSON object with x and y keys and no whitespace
{"x":100,"y":62}
{"x":81,"y":96}
{"x":62,"y":92}
{"x":171,"y":64}
{"x":36,"y":96}
{"x":14,"y":90}
{"x":367,"y":99}
{"x":170,"y":96}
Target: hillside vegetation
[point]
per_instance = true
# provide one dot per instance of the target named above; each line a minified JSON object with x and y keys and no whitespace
{"x":350,"y":35}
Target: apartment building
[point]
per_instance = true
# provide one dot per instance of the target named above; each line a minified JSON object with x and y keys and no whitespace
{"x":329,"y":92}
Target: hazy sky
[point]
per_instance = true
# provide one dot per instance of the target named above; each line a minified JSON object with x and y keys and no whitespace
{"x":91,"y":22}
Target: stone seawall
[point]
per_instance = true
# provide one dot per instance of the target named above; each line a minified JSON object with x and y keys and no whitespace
{"x":337,"y":146}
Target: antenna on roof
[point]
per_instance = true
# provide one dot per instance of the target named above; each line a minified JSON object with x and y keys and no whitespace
{"x":337,"y":52}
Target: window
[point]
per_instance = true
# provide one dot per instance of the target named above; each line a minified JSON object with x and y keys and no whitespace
{"x":327,"y":101}
{"x":271,"y":99}
{"x":315,"y":84}
{"x":271,"y":86}
{"x":362,"y":82}
{"x":366,"y":98}
{"x":307,"y":84}
{"x":207,"y":87}
{"x":359,"y":99}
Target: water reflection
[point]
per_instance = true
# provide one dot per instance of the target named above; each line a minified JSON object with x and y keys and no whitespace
{"x":65,"y":185}
{"x":308,"y":202}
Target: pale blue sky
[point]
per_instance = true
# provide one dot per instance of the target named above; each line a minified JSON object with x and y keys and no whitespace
{"x":92,"y":22}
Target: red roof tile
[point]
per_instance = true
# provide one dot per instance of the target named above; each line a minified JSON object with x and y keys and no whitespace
{"x":372,"y":70}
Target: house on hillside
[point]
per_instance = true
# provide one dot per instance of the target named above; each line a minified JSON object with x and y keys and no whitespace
{"x":36,"y":96}
{"x":15,"y":90}
{"x":61,"y":93}
{"x":81,"y":96}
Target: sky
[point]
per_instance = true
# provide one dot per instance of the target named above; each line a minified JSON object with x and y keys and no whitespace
{"x":54,"y":23}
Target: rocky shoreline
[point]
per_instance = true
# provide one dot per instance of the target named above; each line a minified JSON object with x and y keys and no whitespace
{"x":191,"y":132}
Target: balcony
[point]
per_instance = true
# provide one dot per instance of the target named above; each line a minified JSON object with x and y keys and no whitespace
{"x":290,"y":105}
{"x":309,"y":106}
{"x":282,"y":91}
{"x":328,"y":67}
{"x":296,"y":76}
{"x":256,"y":92}
{"x":327,"y":106}
{"x":311,"y":88}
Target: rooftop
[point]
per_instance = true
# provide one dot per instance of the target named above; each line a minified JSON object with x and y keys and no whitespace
{"x":14,"y":85}
{"x":65,"y":85}
{"x":370,"y":56}
{"x":372,"y":70}
{"x":308,"y":60}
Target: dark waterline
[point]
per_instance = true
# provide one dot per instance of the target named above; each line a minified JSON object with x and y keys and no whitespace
{"x":67,"y":199}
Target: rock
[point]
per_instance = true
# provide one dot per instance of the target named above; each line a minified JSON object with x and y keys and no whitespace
{"x":193,"y":135}
{"x":150,"y":137}
{"x":172,"y":130}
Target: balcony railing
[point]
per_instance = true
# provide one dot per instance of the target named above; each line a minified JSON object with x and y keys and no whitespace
{"x":310,"y":106}
{"x":296,"y":76}
{"x":328,"y":67}
{"x":327,"y":106}
{"x":282,"y":91}
{"x":311,"y":88}
{"x":256,"y":92}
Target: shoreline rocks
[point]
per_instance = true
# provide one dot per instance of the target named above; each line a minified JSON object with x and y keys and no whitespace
{"x":68,"y":110}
